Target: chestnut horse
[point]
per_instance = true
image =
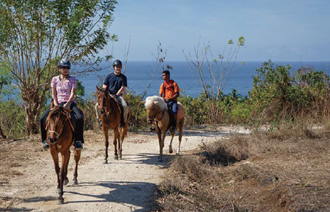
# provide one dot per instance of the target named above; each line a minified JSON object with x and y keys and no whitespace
{"x":157,"y":113}
{"x":60,"y":138}
{"x":110,"y":117}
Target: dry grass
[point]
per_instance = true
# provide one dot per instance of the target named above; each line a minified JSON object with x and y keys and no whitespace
{"x":287,"y":170}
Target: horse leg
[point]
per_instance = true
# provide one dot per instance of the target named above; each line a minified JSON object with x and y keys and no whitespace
{"x":77,"y":154}
{"x":66,"y":179}
{"x":54,"y":154}
{"x":170,"y":146}
{"x":115,"y":138}
{"x":120,"y":141}
{"x":161,"y":138}
{"x":180,"y":135}
{"x":106,"y":143}
{"x":65,"y":161}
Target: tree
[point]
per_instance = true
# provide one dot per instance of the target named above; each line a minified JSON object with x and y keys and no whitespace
{"x":5,"y":79}
{"x":218,"y":70}
{"x":34,"y":34}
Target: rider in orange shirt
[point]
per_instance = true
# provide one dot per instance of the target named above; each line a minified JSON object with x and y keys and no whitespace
{"x":170,"y":91}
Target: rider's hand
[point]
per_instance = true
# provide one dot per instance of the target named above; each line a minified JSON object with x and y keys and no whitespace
{"x":65,"y":105}
{"x":166,"y":100}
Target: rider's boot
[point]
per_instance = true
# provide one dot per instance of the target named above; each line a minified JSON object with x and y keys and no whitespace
{"x":173,"y":128}
{"x":78,"y":145}
{"x":45,"y":145}
{"x":122,"y":122}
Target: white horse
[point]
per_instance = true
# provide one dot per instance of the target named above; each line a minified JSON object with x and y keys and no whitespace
{"x":157,"y":113}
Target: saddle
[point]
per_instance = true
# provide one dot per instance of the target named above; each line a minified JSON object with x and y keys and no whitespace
{"x":119,"y":104}
{"x":123,"y":109}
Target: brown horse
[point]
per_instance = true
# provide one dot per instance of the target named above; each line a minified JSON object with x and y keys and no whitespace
{"x":157,"y":113}
{"x":60,"y":139}
{"x":110,"y":117}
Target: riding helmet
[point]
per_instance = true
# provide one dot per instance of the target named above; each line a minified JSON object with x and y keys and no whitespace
{"x":117,"y":63}
{"x":64,"y":63}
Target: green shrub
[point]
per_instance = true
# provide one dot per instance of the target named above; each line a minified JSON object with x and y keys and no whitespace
{"x":12,"y":118}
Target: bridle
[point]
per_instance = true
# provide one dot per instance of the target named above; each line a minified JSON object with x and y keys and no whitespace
{"x":65,"y":112}
{"x":154,"y":118}
{"x":101,"y":106}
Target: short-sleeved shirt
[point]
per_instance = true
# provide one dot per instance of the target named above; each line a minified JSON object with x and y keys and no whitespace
{"x":115,"y":82}
{"x":63,"y":88}
{"x":170,"y":89}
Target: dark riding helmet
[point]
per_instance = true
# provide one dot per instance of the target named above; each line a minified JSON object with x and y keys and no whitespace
{"x":117,"y":63}
{"x":64,"y":63}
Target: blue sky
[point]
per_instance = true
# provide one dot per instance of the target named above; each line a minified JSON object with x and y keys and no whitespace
{"x":280,"y":30}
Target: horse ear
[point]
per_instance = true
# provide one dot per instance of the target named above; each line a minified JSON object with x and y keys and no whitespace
{"x":47,"y":124}
{"x":51,"y":103}
{"x":97,"y":88}
{"x":143,"y":102}
{"x":155,"y":102}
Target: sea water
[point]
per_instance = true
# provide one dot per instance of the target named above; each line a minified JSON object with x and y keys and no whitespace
{"x":141,"y":73}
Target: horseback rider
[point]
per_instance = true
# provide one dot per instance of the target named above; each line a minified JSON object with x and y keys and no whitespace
{"x":116,"y":82}
{"x":63,"y":91}
{"x":170,"y":91}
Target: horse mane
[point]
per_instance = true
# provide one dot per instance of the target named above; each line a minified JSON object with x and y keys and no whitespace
{"x":55,"y":111}
{"x":155,"y":99}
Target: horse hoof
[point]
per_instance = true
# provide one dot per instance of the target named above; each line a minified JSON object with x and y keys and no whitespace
{"x":116,"y":157}
{"x":60,"y":201}
{"x":66,"y":181}
{"x":75,"y":182}
{"x":171,"y":151}
{"x":105,"y":162}
{"x":58,"y":191}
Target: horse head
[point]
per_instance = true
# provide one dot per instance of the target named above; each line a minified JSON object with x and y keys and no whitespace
{"x":55,"y":123}
{"x":154,"y":106}
{"x":102,"y":96}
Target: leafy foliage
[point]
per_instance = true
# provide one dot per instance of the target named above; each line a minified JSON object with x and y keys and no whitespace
{"x":36,"y":33}
{"x":276,"y":95}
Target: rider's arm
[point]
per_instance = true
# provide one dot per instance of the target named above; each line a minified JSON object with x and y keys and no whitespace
{"x":121,"y":90}
{"x":54,"y":96}
{"x":174,"y":96}
{"x":72,"y":93}
{"x":161,"y":90}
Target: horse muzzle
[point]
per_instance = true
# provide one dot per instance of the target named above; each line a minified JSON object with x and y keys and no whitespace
{"x":149,"y":121}
{"x":52,"y":140}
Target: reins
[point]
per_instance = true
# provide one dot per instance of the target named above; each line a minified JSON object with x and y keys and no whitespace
{"x":104,"y":99}
{"x":66,"y":113}
{"x":163,"y":112}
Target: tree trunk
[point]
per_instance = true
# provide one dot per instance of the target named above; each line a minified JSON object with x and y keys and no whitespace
{"x":1,"y":133}
{"x":31,"y":118}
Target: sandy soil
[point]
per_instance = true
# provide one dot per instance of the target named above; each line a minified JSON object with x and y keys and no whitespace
{"x":28,"y":179}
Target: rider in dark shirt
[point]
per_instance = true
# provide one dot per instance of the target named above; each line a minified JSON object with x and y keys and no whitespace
{"x":116,"y":82}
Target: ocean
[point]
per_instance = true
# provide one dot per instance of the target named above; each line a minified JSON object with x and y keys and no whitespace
{"x":139,"y":75}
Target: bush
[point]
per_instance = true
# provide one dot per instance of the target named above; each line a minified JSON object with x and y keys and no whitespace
{"x":12,"y":118}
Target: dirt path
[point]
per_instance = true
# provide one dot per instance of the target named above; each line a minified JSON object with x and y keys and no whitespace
{"x":28,"y":180}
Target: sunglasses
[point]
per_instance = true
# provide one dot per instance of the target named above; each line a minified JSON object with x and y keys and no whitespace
{"x":64,"y":67}
{"x":117,"y":66}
